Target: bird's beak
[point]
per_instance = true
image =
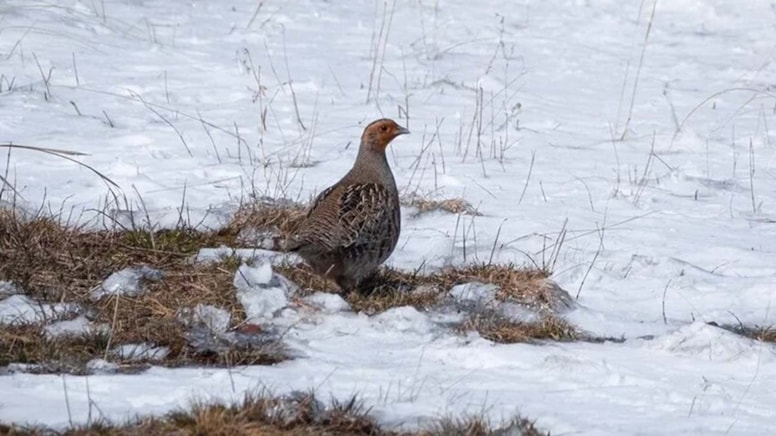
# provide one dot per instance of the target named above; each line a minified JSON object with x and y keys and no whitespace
{"x":402,"y":131}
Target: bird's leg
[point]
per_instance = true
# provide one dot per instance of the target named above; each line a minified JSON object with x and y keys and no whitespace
{"x":347,"y":284}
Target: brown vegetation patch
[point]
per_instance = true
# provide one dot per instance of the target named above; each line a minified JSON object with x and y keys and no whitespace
{"x":479,"y":426}
{"x":393,"y":288}
{"x":28,"y":344}
{"x":51,"y":262}
{"x":266,"y":415}
{"x":498,"y":328}
{"x":276,"y":218}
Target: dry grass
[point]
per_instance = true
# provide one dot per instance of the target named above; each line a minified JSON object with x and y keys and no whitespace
{"x":392,"y":288}
{"x":277,"y":218}
{"x":498,"y":328}
{"x":424,"y":205}
{"x":758,"y":333}
{"x":29,"y":344}
{"x":267,"y":415}
{"x":479,"y":426}
{"x":54,"y":263}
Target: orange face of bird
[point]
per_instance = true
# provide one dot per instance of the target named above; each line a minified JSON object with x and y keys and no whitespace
{"x":380,"y":133}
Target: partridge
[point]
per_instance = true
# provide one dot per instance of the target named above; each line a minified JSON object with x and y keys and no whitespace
{"x":352,"y":227}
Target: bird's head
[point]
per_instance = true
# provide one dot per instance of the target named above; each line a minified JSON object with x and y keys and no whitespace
{"x":378,"y":134}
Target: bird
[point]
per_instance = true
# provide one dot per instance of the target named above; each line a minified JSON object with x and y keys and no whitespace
{"x":352,"y":227}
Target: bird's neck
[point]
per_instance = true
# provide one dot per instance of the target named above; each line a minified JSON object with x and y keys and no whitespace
{"x":372,"y":163}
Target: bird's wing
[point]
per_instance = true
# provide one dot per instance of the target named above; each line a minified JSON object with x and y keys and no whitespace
{"x":345,"y":215}
{"x":364,"y":208}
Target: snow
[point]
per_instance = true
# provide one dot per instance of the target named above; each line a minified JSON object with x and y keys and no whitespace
{"x":666,"y":229}
{"x":328,"y":303}
{"x":214,"y":318}
{"x":261,"y":292}
{"x":75,"y":327}
{"x":476,"y":293}
{"x":7,"y":288}
{"x":19,"y":309}
{"x":127,"y":282}
{"x":140,"y":352}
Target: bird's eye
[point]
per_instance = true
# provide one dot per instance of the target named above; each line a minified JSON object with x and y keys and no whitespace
{"x":384,"y":128}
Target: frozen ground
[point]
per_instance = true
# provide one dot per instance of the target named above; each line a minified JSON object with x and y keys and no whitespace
{"x":663,"y":172}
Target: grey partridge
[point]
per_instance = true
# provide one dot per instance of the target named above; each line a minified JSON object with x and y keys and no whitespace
{"x":352,"y":227}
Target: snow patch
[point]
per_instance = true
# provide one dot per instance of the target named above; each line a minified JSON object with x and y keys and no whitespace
{"x":101,"y":366}
{"x":8,"y":288}
{"x":328,"y":303}
{"x":405,"y":319}
{"x":261,"y":292}
{"x":75,"y":327}
{"x":19,"y":309}
{"x":709,"y":342}
{"x":140,"y":352}
{"x":215,"y":319}
{"x":127,"y":282}
{"x":206,"y":255}
{"x":475,"y":293}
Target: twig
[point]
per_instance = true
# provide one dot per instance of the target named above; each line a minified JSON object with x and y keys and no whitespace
{"x":751,"y":177}
{"x":163,"y":118}
{"x":638,"y":70}
{"x":46,"y":78}
{"x":291,"y":84}
{"x":67,"y":402}
{"x":595,"y":257}
{"x":665,"y":291}
{"x":528,"y":178}
{"x":75,"y":72}
{"x":255,"y":14}
{"x":64,"y":154}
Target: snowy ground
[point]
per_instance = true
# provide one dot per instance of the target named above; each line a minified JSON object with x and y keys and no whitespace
{"x":663,"y":169}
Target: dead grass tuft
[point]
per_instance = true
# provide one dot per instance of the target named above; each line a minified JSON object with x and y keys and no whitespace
{"x":480,"y":426}
{"x":498,"y":328}
{"x":276,"y":218}
{"x":758,"y":333}
{"x":392,"y":288}
{"x":257,"y":414}
{"x":266,"y":415}
{"x":424,"y":205}
{"x":28,"y":344}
